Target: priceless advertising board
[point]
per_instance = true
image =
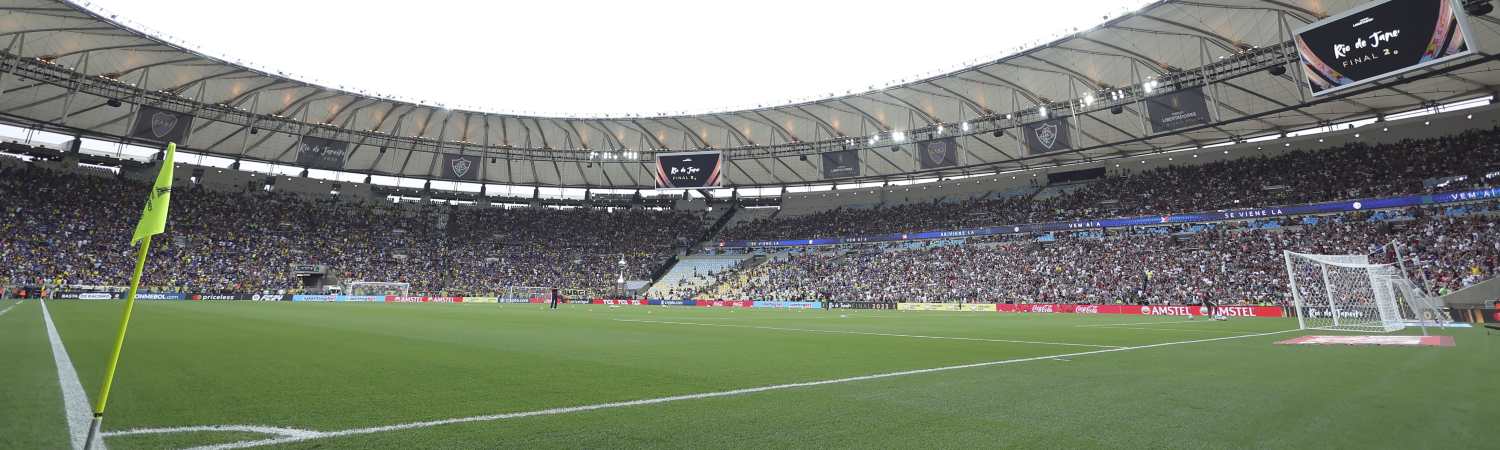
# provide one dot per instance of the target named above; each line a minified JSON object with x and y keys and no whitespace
{"x":1380,"y":40}
{"x":689,"y":170}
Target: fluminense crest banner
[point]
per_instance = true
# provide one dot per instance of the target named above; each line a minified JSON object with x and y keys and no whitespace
{"x":461,"y":167}
{"x":1047,"y":136}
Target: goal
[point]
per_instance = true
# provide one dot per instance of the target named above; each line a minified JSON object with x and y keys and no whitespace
{"x":378,"y":288}
{"x":1348,"y":293}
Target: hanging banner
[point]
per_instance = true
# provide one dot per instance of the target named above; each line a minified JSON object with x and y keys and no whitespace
{"x":461,"y":167}
{"x":841,"y":164}
{"x":321,"y":153}
{"x":1177,"y":110}
{"x":1380,"y":40}
{"x":1047,"y":136}
{"x":160,"y":125}
{"x":937,"y":153}
{"x":688,"y":170}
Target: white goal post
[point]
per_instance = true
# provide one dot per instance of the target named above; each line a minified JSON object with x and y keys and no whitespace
{"x":1347,"y":293}
{"x":378,"y":288}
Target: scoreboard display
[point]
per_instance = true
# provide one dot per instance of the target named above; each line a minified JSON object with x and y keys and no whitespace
{"x":689,"y":170}
{"x":1380,"y":40}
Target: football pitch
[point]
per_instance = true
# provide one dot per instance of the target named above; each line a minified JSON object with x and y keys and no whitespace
{"x":313,"y":375}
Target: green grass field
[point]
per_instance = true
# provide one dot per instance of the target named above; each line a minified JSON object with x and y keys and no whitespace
{"x":326,"y":375}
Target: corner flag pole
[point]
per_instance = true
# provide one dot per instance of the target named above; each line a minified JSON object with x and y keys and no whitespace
{"x":153,"y":222}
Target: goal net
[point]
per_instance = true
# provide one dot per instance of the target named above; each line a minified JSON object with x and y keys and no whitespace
{"x":378,"y":288}
{"x":1346,"y":292}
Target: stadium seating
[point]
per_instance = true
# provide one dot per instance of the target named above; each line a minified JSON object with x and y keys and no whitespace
{"x":71,"y":228}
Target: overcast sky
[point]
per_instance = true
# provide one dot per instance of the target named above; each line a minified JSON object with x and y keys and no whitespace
{"x":592,"y":58}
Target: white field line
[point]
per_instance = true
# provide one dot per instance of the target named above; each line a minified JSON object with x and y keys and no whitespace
{"x":1138,"y":323}
{"x":868,"y":333}
{"x":1191,"y":330}
{"x":75,"y":400}
{"x":8,"y":308}
{"x":652,"y":401}
{"x":278,"y":431}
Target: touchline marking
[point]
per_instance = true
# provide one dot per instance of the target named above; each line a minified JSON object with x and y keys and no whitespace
{"x":652,"y":401}
{"x":7,"y":309}
{"x":279,"y":431}
{"x":1201,"y":330}
{"x":75,"y":400}
{"x":869,"y":333}
{"x":1137,"y":323}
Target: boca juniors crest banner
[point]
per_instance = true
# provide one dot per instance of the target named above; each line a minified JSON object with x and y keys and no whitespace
{"x":461,"y":167}
{"x":841,"y":164}
{"x":1047,"y":136}
{"x":321,"y":153}
{"x":689,"y":170}
{"x":1380,"y":40}
{"x":937,"y":153}
{"x":160,"y":125}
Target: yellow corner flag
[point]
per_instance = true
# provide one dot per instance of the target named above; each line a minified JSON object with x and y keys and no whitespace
{"x":153,"y":222}
{"x":154,"y":219}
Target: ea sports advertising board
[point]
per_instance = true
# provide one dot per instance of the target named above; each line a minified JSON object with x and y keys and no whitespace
{"x":1380,"y":40}
{"x":689,"y":170}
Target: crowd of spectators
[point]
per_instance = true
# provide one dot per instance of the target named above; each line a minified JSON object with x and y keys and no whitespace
{"x":1229,"y":264}
{"x":1351,"y":171}
{"x":72,"y":229}
{"x":68,"y":229}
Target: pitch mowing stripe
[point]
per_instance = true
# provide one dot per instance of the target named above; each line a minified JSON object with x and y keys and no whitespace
{"x":652,"y":401}
{"x":75,"y":400}
{"x":868,"y":333}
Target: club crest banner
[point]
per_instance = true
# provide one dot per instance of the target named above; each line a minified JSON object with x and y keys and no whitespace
{"x":461,"y":167}
{"x":160,"y":125}
{"x":1048,"y":136}
{"x":937,"y":153}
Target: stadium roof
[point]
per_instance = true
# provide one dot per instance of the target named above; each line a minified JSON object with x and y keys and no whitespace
{"x":64,"y":64}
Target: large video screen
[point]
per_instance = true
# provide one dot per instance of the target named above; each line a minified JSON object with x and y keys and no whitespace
{"x":688,"y":170}
{"x":1380,"y":40}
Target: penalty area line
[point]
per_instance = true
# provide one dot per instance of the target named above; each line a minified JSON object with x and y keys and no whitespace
{"x":868,"y":333}
{"x":652,"y":401}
